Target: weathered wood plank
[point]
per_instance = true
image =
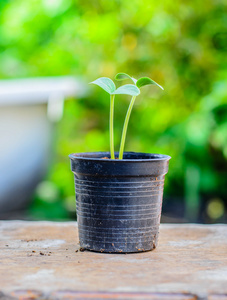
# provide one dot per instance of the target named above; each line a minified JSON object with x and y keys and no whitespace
{"x":43,"y":258}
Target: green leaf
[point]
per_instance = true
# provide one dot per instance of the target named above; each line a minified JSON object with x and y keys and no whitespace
{"x":106,"y":84}
{"x":127,"y":89}
{"x":146,"y":81}
{"x":124,"y":76}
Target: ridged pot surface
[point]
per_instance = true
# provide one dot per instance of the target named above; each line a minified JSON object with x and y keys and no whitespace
{"x":119,"y":201}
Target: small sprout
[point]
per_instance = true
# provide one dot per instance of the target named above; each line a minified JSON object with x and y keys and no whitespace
{"x":128,"y":89}
{"x":108,"y":85}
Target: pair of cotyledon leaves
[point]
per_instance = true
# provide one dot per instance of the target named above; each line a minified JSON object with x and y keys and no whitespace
{"x":128,"y":89}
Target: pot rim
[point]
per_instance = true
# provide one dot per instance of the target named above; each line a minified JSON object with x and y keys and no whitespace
{"x":88,"y":156}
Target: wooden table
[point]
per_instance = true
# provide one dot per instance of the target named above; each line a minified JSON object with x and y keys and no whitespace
{"x":42,"y":260}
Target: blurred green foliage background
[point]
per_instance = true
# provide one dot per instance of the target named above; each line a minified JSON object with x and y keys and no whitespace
{"x":180,"y":44}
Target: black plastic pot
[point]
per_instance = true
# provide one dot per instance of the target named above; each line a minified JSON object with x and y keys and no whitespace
{"x":119,"y":201}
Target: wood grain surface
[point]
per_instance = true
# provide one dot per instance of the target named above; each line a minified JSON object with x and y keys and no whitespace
{"x":42,"y":260}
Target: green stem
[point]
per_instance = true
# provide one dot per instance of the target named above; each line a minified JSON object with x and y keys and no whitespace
{"x":111,"y":127}
{"x":124,"y":131}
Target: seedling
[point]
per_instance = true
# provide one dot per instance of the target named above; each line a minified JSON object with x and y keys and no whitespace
{"x":128,"y":89}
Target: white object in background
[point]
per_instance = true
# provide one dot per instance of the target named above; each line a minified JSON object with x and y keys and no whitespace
{"x":27,"y":109}
{"x":55,"y":107}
